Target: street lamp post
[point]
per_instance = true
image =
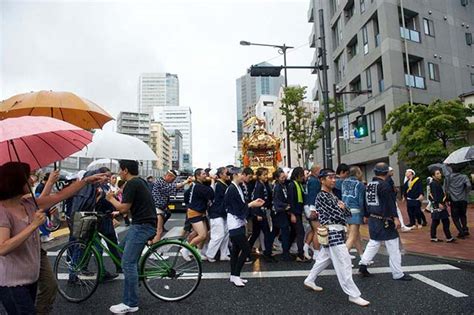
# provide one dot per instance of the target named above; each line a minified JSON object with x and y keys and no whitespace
{"x":281,"y":50}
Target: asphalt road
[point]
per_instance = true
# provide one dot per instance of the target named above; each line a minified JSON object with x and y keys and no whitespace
{"x":278,"y":288}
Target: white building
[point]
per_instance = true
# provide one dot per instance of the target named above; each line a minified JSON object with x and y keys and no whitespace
{"x":134,"y":124}
{"x":157,"y":89}
{"x":178,"y":118}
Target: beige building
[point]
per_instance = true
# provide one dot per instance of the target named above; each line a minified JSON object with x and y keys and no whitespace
{"x":160,"y":143}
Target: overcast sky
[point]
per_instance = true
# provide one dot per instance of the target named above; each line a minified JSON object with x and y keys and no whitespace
{"x":97,"y":49}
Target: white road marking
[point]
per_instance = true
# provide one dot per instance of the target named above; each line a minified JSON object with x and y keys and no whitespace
{"x":438,"y":285}
{"x":304,"y":273}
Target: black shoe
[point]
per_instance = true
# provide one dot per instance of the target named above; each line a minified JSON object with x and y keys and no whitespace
{"x":461,"y":235}
{"x":109,"y":276}
{"x":405,"y":277}
{"x":248,"y":261}
{"x":364,"y":272}
{"x":466,"y":233}
{"x":119,"y":270}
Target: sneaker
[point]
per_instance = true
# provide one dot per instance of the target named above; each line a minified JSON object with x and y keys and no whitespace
{"x":406,"y":229}
{"x":312,"y":286}
{"x":225,"y":258}
{"x":185,"y":253}
{"x":352,"y":256}
{"x":359,"y":301}
{"x":248,"y":261}
{"x":233,"y":277}
{"x":405,"y":278}
{"x":237,"y":282}
{"x":364,"y":272}
{"x":123,"y":309}
{"x":209,"y":259}
{"x":302,"y":259}
{"x":435,"y":240}
{"x":450,"y":240}
{"x":204,"y":257}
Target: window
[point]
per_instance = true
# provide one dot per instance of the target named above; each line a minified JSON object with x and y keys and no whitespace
{"x":469,"y":39}
{"x":368,"y":79}
{"x":365,"y":39}
{"x":352,"y":48}
{"x":433,"y":71}
{"x":376,"y":32}
{"x":429,"y":27}
{"x":362,"y":6}
{"x":383,"y":120}
{"x":472,"y":79}
{"x":373,"y":136}
{"x":464,"y":2}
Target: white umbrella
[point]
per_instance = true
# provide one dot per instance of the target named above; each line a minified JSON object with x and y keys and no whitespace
{"x":113,"y":145}
{"x":111,"y":164}
{"x":462,"y":155}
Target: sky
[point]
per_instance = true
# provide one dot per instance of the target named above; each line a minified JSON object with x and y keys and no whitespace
{"x":97,"y":49}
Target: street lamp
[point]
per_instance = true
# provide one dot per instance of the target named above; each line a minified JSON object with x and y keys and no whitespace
{"x":282,"y":51}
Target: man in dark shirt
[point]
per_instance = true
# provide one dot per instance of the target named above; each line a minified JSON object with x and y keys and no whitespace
{"x":413,"y":193}
{"x":383,"y":223}
{"x":137,"y":200}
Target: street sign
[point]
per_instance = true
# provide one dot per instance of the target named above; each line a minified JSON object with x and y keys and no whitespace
{"x":345,"y":128}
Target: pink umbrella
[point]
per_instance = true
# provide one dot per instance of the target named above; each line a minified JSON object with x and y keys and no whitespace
{"x":39,"y":141}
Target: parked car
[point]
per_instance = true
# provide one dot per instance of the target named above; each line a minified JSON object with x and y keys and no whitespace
{"x":177,"y":203}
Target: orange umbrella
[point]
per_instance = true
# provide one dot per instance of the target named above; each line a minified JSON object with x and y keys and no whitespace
{"x":65,"y":106}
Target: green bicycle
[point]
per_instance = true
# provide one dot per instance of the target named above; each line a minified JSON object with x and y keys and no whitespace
{"x":166,"y":274}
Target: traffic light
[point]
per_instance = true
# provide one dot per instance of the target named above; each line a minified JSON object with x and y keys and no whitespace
{"x":264,"y":71}
{"x":361,"y":129}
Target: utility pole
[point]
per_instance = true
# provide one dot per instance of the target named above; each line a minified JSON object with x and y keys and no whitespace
{"x":327,"y":126}
{"x":336,"y":116}
{"x":288,"y":141}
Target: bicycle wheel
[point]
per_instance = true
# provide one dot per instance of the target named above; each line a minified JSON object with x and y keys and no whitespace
{"x":167,"y":275}
{"x":77,"y":270}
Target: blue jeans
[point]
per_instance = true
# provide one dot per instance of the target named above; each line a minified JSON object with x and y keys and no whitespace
{"x":19,"y":299}
{"x":133,"y":245}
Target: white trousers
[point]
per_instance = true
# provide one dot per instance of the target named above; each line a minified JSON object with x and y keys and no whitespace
{"x":219,"y":238}
{"x":400,"y":217}
{"x":341,"y":260}
{"x":395,"y":257}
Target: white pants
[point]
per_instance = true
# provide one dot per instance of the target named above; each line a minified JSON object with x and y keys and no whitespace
{"x":400,"y":217}
{"x":219,"y":238}
{"x":341,"y":260}
{"x":395,"y":257}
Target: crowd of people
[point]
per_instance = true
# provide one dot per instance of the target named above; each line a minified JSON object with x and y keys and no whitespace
{"x":233,"y":214}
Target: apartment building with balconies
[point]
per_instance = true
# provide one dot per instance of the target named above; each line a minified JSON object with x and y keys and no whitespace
{"x":403,"y":51}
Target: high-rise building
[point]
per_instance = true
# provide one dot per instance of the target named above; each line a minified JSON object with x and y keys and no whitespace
{"x":177,"y":144}
{"x":160,"y":143}
{"x":249,"y":89}
{"x":417,"y":53}
{"x":134,"y":124}
{"x":157,"y":89}
{"x":178,"y":118}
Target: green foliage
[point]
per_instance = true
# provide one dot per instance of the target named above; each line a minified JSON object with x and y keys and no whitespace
{"x":428,"y":133}
{"x":303,"y":127}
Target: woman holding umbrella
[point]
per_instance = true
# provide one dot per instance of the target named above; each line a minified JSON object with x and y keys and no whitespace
{"x":19,"y":236}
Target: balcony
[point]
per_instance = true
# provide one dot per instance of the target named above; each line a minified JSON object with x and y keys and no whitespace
{"x":411,"y":35}
{"x":311,"y":12}
{"x":312,"y":39}
{"x":415,"y":81}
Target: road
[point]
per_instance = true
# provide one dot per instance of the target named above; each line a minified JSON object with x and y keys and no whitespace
{"x":440,"y":287}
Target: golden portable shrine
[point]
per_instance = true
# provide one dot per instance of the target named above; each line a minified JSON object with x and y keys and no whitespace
{"x":260,"y":149}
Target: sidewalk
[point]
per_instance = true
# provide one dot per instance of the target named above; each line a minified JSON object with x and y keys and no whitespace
{"x":418,"y":241}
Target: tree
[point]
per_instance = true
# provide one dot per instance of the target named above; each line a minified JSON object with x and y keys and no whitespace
{"x":428,"y":133}
{"x":303,"y":127}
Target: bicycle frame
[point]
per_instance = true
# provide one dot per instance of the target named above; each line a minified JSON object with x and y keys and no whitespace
{"x":95,"y":242}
